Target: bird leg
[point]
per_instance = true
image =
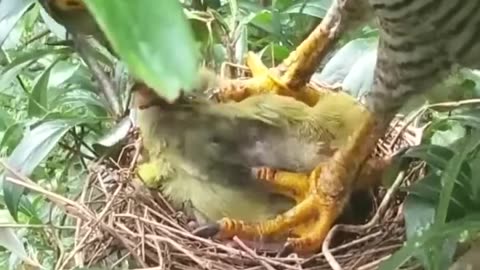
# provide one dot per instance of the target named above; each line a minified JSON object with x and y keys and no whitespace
{"x":265,"y":80}
{"x":292,"y":76}
{"x":329,"y":187}
{"x":289,"y":184}
{"x":296,"y":185}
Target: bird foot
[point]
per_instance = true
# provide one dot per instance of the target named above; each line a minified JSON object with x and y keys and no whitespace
{"x":264,"y":80}
{"x":306,"y":224}
{"x":321,"y":197}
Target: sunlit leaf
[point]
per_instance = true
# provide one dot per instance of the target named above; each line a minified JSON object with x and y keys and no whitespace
{"x":62,"y":72}
{"x":8,"y":238}
{"x":10,"y":12}
{"x":23,"y":60}
{"x":114,"y":137}
{"x":153,"y":38}
{"x":351,"y":67}
{"x":449,"y":136}
{"x":430,"y":237}
{"x":38,"y":100}
{"x":32,"y":149}
{"x":52,"y":25}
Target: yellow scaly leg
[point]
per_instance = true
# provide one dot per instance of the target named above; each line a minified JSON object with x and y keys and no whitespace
{"x":330,"y":186}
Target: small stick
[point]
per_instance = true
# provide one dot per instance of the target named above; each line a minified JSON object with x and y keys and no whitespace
{"x":252,"y":253}
{"x":359,"y":228}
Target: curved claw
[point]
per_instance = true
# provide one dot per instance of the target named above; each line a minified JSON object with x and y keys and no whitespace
{"x":286,"y":250}
{"x":207,"y":231}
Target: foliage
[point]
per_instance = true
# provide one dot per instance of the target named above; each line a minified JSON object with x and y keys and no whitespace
{"x":54,"y":121}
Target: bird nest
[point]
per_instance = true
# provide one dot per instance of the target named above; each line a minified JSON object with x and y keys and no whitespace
{"x":120,"y":224}
{"x":124,"y":225}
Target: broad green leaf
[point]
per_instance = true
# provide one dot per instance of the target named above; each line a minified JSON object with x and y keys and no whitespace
{"x":62,"y":72}
{"x":475,"y":165}
{"x":250,"y":6}
{"x":359,"y":81}
{"x":38,"y":100}
{"x":276,"y":51}
{"x":153,"y":38}
{"x":352,"y":67}
{"x":26,"y":208}
{"x":32,"y":149}
{"x":449,"y":136}
{"x":264,"y":21}
{"x":52,"y":25}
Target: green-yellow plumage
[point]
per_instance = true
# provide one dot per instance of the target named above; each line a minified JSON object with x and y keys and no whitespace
{"x":202,"y":152}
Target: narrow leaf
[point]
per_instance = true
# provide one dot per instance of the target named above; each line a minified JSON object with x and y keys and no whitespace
{"x":38,"y":102}
{"x":10,"y":12}
{"x":21,"y":61}
{"x":455,"y":229}
{"x":449,"y":176}
{"x":31,"y":150}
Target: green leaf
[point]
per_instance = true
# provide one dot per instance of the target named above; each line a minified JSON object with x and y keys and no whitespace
{"x":428,"y":189}
{"x":275,"y":51}
{"x":62,"y":72}
{"x":21,"y":61}
{"x":113,"y":139}
{"x":5,"y":121}
{"x":81,"y":99}
{"x":433,"y":236}
{"x":32,"y":149}
{"x":419,"y":216}
{"x":264,"y":21}
{"x":8,"y":238}
{"x":10,"y":12}
{"x":352,"y":67}
{"x":449,"y":136}
{"x":450,"y":174}
{"x":38,"y":100}
{"x":12,"y":136}
{"x":438,"y":157}
{"x":153,"y":38}
{"x":52,"y":25}
{"x":316,"y":8}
